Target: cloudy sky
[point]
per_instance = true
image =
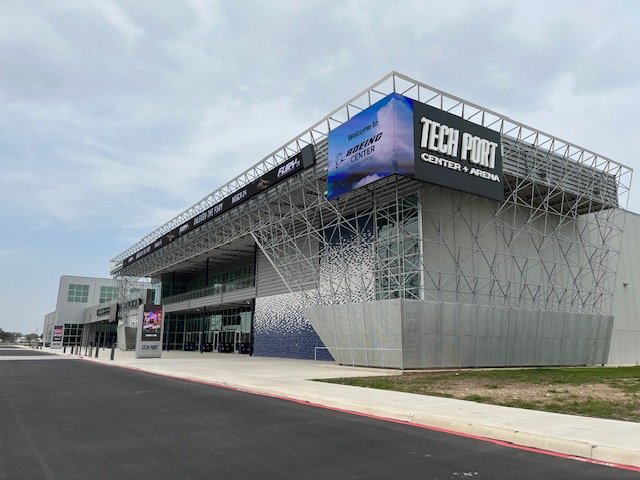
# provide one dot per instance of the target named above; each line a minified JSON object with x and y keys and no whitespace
{"x":119,"y":114}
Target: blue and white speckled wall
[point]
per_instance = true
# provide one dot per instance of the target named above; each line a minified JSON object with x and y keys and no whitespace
{"x":346,"y":275}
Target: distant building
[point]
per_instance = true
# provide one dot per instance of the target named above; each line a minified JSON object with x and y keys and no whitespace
{"x":87,"y":308}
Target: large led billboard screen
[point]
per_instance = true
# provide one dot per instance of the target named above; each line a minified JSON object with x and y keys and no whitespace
{"x":374,"y":144}
{"x":151,"y":323}
{"x":398,"y":135}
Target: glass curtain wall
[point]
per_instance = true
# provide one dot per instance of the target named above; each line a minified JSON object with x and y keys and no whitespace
{"x":217,"y":283}
{"x":72,"y":334}
{"x":224,"y":324}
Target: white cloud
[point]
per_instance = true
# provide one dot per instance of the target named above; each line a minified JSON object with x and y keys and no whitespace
{"x":118,"y":18}
{"x":10,"y":252}
{"x":117,"y":116}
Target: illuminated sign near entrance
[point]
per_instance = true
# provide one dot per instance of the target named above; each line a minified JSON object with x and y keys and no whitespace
{"x":149,"y":342}
{"x":58,"y":335}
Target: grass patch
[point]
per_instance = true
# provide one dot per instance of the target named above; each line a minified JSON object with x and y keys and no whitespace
{"x":475,"y":398}
{"x":555,"y":387}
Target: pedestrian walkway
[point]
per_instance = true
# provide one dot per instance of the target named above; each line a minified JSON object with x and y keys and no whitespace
{"x":602,"y":441}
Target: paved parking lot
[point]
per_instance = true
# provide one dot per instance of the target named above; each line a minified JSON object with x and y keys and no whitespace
{"x":64,"y":417}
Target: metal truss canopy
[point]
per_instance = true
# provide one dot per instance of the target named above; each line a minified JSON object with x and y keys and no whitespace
{"x":568,"y":160}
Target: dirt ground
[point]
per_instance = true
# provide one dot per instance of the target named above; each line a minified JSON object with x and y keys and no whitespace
{"x":526,"y":392}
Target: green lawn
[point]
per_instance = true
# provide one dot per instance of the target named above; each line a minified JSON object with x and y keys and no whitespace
{"x":602,"y":392}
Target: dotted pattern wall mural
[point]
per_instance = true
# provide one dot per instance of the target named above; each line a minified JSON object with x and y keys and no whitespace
{"x":346,"y":274}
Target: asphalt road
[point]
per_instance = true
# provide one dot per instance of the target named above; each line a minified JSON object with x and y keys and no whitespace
{"x":65,"y":418}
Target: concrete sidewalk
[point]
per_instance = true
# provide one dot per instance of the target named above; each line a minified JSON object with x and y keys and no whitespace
{"x":607,"y":441}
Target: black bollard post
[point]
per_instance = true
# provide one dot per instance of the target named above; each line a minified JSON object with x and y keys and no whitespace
{"x":64,"y":349}
{"x":113,"y":350}
{"x":97,"y":350}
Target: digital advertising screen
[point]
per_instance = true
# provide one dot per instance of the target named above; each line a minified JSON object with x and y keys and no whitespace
{"x":151,"y":323}
{"x":372,"y":145}
{"x":398,"y":135}
{"x":58,"y":333}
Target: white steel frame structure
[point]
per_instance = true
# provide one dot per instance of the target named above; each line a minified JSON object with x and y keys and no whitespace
{"x":551,"y":246}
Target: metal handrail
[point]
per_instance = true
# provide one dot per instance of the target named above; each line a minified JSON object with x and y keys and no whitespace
{"x":217,"y":289}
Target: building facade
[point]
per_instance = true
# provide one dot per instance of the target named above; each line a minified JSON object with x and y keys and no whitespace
{"x":87,"y":309}
{"x":407,"y":229}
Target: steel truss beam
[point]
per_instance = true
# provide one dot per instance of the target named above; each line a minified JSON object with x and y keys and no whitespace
{"x":552,"y":244}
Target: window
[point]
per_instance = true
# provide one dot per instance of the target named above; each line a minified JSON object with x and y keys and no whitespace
{"x":72,"y":333}
{"x":78,"y":293}
{"x":108,"y":293}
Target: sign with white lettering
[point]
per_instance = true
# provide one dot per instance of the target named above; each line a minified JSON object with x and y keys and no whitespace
{"x":456,"y":153}
{"x":398,"y":135}
{"x":295,"y":164}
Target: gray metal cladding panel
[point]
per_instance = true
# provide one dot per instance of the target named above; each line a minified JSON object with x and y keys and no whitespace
{"x":484,"y":320}
{"x":373,"y":333}
{"x":591,"y":357}
{"x":375,"y":324}
{"x":468,"y":350}
{"x":514,"y":351}
{"x":450,"y":350}
{"x":432,"y":351}
{"x":572,"y":326}
{"x":581,"y":352}
{"x":484,"y":353}
{"x":355,"y":314}
{"x":526,"y":351}
{"x":499,"y":351}
{"x":268,"y":282}
{"x":467,"y":319}
{"x":450,"y":318}
{"x":341,"y":322}
{"x":432,"y":318}
{"x":412,"y":358}
{"x":569,"y":352}
{"x":500,"y":322}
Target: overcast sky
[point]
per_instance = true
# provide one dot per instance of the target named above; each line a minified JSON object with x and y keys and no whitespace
{"x":118,"y":115}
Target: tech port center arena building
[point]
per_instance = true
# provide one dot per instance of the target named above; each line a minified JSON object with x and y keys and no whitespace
{"x":407,"y":229}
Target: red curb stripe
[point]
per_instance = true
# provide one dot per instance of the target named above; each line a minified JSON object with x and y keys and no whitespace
{"x":501,"y":443}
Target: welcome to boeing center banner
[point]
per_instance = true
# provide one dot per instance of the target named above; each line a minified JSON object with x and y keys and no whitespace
{"x":398,"y":135}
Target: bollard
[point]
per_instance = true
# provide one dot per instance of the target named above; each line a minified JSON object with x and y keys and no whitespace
{"x":113,"y":350}
{"x":97,"y":350}
{"x":64,"y":349}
